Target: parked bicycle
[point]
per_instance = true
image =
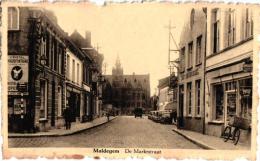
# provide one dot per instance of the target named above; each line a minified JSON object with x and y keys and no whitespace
{"x":232,"y":131}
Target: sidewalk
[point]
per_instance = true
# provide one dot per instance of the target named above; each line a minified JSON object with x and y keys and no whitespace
{"x":210,"y":142}
{"x":75,"y":128}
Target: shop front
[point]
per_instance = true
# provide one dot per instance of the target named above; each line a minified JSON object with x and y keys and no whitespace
{"x":229,"y":92}
{"x":74,"y":102}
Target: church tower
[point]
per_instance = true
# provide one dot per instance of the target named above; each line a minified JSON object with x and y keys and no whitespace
{"x":117,"y":70}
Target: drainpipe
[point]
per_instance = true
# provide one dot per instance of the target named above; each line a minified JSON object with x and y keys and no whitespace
{"x":204,"y":74}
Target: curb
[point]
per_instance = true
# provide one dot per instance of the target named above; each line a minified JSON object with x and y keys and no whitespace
{"x":56,"y":134}
{"x":201,"y":144}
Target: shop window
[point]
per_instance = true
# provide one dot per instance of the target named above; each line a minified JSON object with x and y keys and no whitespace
{"x":190,"y":54}
{"x":44,"y":99}
{"x":198,"y":50}
{"x":216,"y":26}
{"x":219,"y":102}
{"x":246,"y":98}
{"x":189,"y":101}
{"x":13,"y":18}
{"x":197,"y":99}
{"x":231,"y":27}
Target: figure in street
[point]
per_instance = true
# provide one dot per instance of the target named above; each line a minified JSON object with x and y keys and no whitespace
{"x":67,"y":117}
{"x":107,"y":116}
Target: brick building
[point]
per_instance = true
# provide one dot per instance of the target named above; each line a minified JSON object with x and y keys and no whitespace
{"x":40,"y":82}
{"x":126,"y":92}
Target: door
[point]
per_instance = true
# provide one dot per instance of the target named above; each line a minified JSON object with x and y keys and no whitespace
{"x":53,"y":105}
{"x":180,"y":114}
{"x":230,"y":105}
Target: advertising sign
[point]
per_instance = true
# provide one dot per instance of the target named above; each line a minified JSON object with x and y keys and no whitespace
{"x":17,"y":72}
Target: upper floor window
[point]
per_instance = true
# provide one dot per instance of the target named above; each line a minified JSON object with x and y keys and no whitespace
{"x":248,"y":23}
{"x":182,"y":59}
{"x":190,"y":54}
{"x":13,"y":18}
{"x":198,"y":50}
{"x":231,"y":27}
{"x":73,"y":70}
{"x":192,"y":18}
{"x":68,"y":66}
{"x":216,"y":26}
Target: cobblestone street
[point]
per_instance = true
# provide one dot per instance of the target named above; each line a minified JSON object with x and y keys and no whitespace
{"x":122,"y":132}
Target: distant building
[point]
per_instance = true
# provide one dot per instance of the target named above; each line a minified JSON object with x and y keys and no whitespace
{"x":126,"y":92}
{"x":167,"y":95}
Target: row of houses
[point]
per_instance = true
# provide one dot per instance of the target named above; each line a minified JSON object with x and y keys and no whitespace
{"x":49,"y":71}
{"x":215,"y":68}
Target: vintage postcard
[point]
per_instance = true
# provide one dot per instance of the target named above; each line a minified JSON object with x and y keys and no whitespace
{"x":160,"y":80}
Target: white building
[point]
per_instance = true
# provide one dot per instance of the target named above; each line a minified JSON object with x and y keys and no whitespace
{"x":228,"y":85}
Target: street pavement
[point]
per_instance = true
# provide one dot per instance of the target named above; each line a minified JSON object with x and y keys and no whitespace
{"x":122,"y":132}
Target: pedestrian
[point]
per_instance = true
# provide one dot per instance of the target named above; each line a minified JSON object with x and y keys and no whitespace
{"x":107,"y":116}
{"x":67,"y":118}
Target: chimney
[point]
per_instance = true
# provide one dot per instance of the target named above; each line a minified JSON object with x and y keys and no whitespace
{"x":88,"y":38}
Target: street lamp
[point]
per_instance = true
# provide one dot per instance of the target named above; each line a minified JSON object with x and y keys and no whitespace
{"x":43,"y":60}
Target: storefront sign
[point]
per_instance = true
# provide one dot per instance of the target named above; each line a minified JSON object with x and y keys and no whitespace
{"x":17,"y":73}
{"x":190,"y":74}
{"x":247,"y":67}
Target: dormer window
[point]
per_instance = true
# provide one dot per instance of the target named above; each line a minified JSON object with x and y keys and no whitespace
{"x":13,"y":18}
{"x":192,"y":18}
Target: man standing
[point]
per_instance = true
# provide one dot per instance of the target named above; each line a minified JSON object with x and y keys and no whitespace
{"x":67,"y":118}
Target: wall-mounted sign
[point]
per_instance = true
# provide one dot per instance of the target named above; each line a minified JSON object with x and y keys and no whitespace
{"x":190,"y":74}
{"x":17,"y":72}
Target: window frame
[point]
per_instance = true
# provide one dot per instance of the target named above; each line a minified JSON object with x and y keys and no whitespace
{"x":197,"y":97}
{"x":18,"y":19}
{"x":199,"y":50}
{"x":189,"y":99}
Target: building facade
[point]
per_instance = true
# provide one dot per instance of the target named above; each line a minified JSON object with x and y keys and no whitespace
{"x":48,"y":71}
{"x":36,"y":58}
{"x":191,"y":73}
{"x":228,"y":86}
{"x":167,"y":93}
{"x":126,"y":92}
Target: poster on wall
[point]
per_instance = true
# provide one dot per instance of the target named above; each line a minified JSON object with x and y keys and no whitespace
{"x":17,"y":73}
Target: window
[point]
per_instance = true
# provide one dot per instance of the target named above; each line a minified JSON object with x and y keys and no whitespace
{"x":192,"y":18}
{"x":182,"y":61}
{"x":197,"y":95}
{"x":59,"y":101}
{"x":47,"y":48}
{"x":248,"y":24}
{"x":13,"y":18}
{"x":216,"y":30}
{"x":77,"y":73}
{"x":189,"y":87}
{"x":219,"y":102}
{"x":44,"y":99}
{"x":52,"y":53}
{"x":68,"y":66}
{"x":231,"y":27}
{"x":73,"y":70}
{"x":60,"y":61}
{"x":245,"y":87}
{"x":198,"y":50}
{"x":190,"y":55}
{"x":43,"y":47}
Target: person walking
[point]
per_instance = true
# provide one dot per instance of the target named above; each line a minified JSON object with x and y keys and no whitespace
{"x":67,"y":118}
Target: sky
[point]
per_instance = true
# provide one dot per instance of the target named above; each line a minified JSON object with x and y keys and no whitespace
{"x":136,"y":33}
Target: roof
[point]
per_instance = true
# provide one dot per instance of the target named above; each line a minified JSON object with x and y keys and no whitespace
{"x":164,"y":82}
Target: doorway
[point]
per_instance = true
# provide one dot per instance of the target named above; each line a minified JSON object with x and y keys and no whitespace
{"x":230,"y":105}
{"x":180,"y":114}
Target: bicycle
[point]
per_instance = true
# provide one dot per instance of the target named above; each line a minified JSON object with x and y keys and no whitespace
{"x":237,"y":123}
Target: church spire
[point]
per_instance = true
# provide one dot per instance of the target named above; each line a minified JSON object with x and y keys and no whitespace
{"x":117,"y":70}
